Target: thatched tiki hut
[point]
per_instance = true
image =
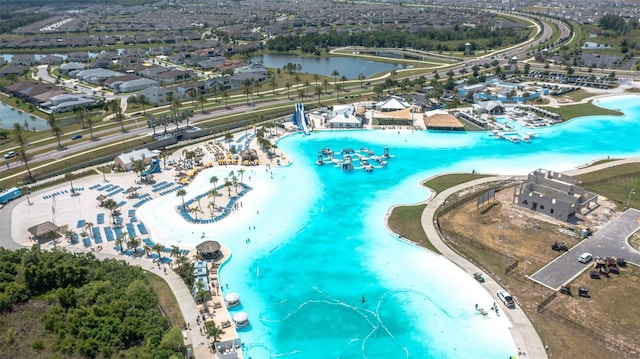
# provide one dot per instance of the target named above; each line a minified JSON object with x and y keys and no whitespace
{"x":44,"y":232}
{"x":209,"y":250}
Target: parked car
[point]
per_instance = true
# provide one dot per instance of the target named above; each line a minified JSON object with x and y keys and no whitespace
{"x":585,"y":257}
{"x":506,"y":299}
{"x":10,"y":154}
{"x":559,"y":246}
{"x":76,"y":137}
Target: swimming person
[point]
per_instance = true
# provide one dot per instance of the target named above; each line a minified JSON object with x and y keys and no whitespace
{"x":363,"y":299}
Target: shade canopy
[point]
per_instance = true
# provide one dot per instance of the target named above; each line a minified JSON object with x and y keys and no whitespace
{"x":240,"y":317}
{"x":232,"y":297}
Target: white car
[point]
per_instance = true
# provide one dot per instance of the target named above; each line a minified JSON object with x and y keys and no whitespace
{"x":507,"y":299}
{"x":10,"y":154}
{"x":585,"y":257}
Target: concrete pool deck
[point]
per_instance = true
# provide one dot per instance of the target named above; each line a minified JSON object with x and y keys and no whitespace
{"x":67,"y":209}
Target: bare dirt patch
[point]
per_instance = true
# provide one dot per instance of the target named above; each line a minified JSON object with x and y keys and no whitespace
{"x":526,"y":237}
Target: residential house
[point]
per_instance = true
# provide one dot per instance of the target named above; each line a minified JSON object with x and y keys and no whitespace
{"x":158,"y":95}
{"x":66,"y":102}
{"x":13,"y":70}
{"x":71,"y":66}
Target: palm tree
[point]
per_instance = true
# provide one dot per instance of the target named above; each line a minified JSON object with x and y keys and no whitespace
{"x":213,"y":180}
{"x":164,"y":155}
{"x":152,"y":122}
{"x":147,"y":249}
{"x":175,"y":251}
{"x":119,"y":241}
{"x":325,"y":83}
{"x":69,"y":235}
{"x":181,"y":193}
{"x":228,"y":137}
{"x":194,"y":210}
{"x":57,"y":130}
{"x":306,"y":83}
{"x":89,"y":227}
{"x":22,"y":143}
{"x":133,"y":242}
{"x":241,"y":173}
{"x":318,"y":90}
{"x":297,"y":79}
{"x":288,"y":86}
{"x":90,"y":123}
{"x":202,"y":100}
{"x":335,"y":75}
{"x":69,"y":176}
{"x":79,"y":113}
{"x":158,"y":248}
{"x":119,"y":116}
{"x":225,"y":95}
{"x":143,"y":102}
{"x":227,"y":183}
{"x":111,"y":205}
{"x":213,"y":193}
{"x":213,"y":330}
{"x":343,"y":78}
{"x":175,"y":104}
{"x":138,"y":167}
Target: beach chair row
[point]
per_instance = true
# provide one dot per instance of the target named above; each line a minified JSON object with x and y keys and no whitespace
{"x":142,"y":229}
{"x":141,"y":202}
{"x":95,"y":186}
{"x":115,"y":191}
{"x":170,"y":190}
{"x":159,"y":184}
{"x":163,"y":187}
{"x":106,"y":187}
{"x":55,"y":194}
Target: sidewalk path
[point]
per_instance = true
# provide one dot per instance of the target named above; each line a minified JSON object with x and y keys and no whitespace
{"x":524,"y":334}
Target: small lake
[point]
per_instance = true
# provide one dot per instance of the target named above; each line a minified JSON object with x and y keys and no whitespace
{"x":10,"y":115}
{"x":350,"y":67}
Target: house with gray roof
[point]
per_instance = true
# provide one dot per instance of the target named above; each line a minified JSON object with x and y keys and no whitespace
{"x":66,"y":102}
{"x":71,"y":66}
{"x":157,"y":95}
{"x":134,"y":85}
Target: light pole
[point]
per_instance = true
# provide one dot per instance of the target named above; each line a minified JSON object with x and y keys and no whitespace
{"x":632,"y":191}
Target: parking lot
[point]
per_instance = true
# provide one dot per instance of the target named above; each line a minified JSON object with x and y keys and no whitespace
{"x":609,"y":241}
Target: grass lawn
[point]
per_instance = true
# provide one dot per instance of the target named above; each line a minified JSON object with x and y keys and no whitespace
{"x":618,"y":191}
{"x":405,"y":220}
{"x":578,"y":110}
{"x":166,"y":299}
{"x":440,"y":183}
{"x":578,"y":95}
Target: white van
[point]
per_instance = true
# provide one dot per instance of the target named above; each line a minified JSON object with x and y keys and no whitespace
{"x":506,"y":299}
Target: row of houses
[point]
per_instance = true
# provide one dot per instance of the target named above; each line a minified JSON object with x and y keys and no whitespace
{"x":48,"y":97}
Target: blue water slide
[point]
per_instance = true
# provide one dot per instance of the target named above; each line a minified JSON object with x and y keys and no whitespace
{"x":300,"y":119}
{"x":154,"y":167}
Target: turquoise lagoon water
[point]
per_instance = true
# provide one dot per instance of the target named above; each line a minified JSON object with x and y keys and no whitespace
{"x":320,"y":243}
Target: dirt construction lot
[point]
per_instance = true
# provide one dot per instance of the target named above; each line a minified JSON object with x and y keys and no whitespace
{"x":604,"y":325}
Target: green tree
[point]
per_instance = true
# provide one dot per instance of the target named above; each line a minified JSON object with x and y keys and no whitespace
{"x":22,"y":144}
{"x":57,"y":130}
{"x":181,"y":193}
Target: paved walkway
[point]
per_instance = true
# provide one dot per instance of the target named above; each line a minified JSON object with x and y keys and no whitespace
{"x":524,"y":334}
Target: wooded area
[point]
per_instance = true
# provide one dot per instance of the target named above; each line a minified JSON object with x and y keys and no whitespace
{"x":85,"y":308}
